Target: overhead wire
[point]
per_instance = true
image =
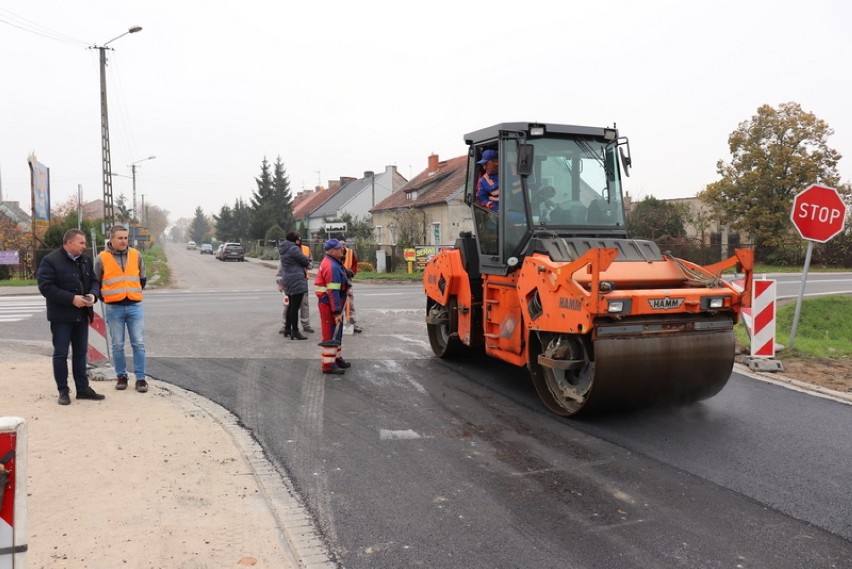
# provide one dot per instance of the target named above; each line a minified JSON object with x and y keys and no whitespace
{"x":16,"y":21}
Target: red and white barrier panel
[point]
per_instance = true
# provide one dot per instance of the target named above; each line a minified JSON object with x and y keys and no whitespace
{"x":98,"y":347}
{"x":760,"y":319}
{"x":13,"y":493}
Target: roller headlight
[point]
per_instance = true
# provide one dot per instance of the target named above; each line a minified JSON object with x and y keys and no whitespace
{"x":713,"y":302}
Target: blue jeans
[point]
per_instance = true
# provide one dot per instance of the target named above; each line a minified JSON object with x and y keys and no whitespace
{"x":132,"y":316}
{"x":75,"y":334}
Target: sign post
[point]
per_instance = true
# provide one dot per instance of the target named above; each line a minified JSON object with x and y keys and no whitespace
{"x":818,"y":215}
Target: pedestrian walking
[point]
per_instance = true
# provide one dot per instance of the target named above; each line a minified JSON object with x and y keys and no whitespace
{"x":331,"y":287}
{"x":121,"y":272}
{"x":67,"y":281}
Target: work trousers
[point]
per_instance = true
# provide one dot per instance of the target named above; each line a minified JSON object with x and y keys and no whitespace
{"x":132,"y":317}
{"x":76,"y":335}
{"x":330,"y":330}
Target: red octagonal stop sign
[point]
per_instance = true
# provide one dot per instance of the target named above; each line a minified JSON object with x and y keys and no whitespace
{"x":818,"y":213}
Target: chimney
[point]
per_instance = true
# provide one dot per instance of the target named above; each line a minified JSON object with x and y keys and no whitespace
{"x":433,"y":163}
{"x":368,"y":174}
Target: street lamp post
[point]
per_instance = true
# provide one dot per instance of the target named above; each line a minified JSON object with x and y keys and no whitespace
{"x":133,"y":170}
{"x":109,"y":212}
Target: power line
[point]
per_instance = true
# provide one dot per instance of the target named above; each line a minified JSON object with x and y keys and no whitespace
{"x":10,"y":19}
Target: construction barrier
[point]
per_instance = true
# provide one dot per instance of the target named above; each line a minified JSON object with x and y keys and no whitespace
{"x":763,"y":312}
{"x":759,"y":319}
{"x":98,"y":342}
{"x":13,"y":493}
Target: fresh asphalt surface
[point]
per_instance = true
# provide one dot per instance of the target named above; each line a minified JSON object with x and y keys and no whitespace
{"x":410,"y":461}
{"x":417,"y":462}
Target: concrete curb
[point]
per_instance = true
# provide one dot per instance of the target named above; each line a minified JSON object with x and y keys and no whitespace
{"x":301,"y":538}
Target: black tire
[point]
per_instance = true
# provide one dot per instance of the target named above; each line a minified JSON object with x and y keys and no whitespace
{"x":443,"y":336}
{"x":563,"y":392}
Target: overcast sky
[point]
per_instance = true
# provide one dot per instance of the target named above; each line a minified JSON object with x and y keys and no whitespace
{"x":339,"y":88}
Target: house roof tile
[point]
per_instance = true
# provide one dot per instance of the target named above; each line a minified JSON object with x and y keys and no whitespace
{"x":431,"y":186}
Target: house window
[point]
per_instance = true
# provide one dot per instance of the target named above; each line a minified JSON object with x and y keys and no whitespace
{"x":377,"y":234}
{"x":411,"y":195}
{"x":436,"y":233}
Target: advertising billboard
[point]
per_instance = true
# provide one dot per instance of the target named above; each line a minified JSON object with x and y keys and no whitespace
{"x":40,"y":187}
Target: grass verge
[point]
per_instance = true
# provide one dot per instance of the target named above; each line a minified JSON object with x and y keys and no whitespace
{"x":157,"y":267}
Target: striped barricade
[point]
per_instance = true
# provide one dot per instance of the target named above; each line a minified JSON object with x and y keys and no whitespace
{"x":13,"y":493}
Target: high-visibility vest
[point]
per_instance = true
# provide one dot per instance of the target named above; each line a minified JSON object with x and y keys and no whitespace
{"x":118,"y":284}
{"x":306,"y":251}
{"x":348,"y":259}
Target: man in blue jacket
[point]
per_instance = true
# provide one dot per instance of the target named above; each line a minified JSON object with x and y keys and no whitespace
{"x":66,"y":279}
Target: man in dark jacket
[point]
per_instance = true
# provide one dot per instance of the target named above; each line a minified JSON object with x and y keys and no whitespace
{"x":67,"y":281}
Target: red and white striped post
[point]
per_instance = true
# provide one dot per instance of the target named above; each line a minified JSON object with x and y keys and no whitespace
{"x":763,"y":319}
{"x":759,"y":320}
{"x":98,"y":343}
{"x":100,"y":368}
{"x":13,"y":493}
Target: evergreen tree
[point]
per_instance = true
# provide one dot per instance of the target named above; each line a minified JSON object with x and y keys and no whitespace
{"x":271,"y":202}
{"x":199,"y":226}
{"x":242,"y":219}
{"x":262,"y":203}
{"x":225,"y":226}
{"x":282,"y":199}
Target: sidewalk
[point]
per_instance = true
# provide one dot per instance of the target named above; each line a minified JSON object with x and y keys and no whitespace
{"x":153,"y":480}
{"x":17,"y":290}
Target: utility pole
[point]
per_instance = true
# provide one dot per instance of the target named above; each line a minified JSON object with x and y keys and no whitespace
{"x":133,"y":171}
{"x":109,"y":211}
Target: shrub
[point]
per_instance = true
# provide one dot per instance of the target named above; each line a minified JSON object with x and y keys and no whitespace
{"x":365,"y":266}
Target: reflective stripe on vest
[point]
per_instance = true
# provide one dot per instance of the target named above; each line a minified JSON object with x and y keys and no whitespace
{"x":331,"y":286}
{"x":117,"y":284}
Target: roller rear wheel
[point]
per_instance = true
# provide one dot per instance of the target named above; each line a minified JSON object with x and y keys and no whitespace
{"x":562,"y":373}
{"x":443,"y":329}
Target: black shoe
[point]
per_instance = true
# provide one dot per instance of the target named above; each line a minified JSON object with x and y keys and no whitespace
{"x":63,"y":398}
{"x":297,"y":336}
{"x":342,"y":363}
{"x":335,"y":371}
{"x":89,"y":393}
{"x":121,"y":382}
{"x":308,"y":329}
{"x":141,"y":386}
{"x":284,"y":331}
{"x":357,"y":329}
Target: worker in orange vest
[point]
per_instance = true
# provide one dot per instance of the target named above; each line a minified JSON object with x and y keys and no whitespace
{"x":121,"y":270}
{"x":350,"y":265}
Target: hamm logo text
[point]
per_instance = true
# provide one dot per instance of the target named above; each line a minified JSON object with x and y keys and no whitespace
{"x":665,"y":303}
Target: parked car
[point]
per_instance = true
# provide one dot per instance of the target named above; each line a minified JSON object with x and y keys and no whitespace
{"x":191,"y":246}
{"x":219,"y":251}
{"x":206,"y":249}
{"x":232,"y":251}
